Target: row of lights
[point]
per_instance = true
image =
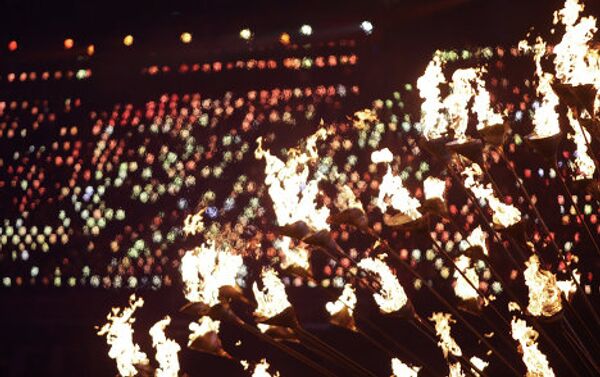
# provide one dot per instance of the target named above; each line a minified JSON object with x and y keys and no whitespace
{"x":186,"y":37}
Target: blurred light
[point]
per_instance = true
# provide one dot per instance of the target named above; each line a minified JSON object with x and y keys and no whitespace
{"x":284,"y":38}
{"x":128,"y":40}
{"x":246,"y":34}
{"x":90,"y":50}
{"x":12,"y":45}
{"x":69,"y":43}
{"x":367,"y":27}
{"x":186,"y":37}
{"x":306,"y":30}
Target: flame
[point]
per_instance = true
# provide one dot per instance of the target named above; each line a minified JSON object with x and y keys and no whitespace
{"x":204,"y":326}
{"x":260,"y":370}
{"x":166,"y":349}
{"x":346,"y":199}
{"x":486,"y":116}
{"x":568,"y":287}
{"x":462,"y":288}
{"x":455,"y":370}
{"x":205,"y":270}
{"x":442,"y":329}
{"x":477,"y":238}
{"x":391,"y":297}
{"x":456,"y":103}
{"x":544,"y":294}
{"x":119,"y":336}
{"x":383,"y":155}
{"x":346,"y":300}
{"x":583,"y":161}
{"x":272,"y":299}
{"x":504,"y":214}
{"x":479,"y":364}
{"x":363,"y":119}
{"x":535,"y":361}
{"x":399,"y":197}
{"x":293,"y":194}
{"x":193,"y":224}
{"x":399,"y":369}
{"x":574,"y":62}
{"x":433,"y":122}
{"x":293,"y":256}
{"x":434,"y":188}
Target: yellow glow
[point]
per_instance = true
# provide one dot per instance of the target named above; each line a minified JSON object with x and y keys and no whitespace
{"x":442,"y":328}
{"x":535,"y":361}
{"x":128,"y":40}
{"x":544,"y":294}
{"x":272,"y":299}
{"x":399,"y":369}
{"x":185,"y":37}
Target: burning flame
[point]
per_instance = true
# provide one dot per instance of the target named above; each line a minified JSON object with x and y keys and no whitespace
{"x":363,"y":119}
{"x":535,"y":361}
{"x":391,"y":297}
{"x":193,"y":224}
{"x":544,"y":294}
{"x":479,"y":364}
{"x":434,"y":188}
{"x":346,"y":300}
{"x":293,"y":194}
{"x":455,"y":370}
{"x":293,"y":256}
{"x":568,"y":287}
{"x":442,"y":329}
{"x":399,"y":369}
{"x":583,"y":161}
{"x":204,"y":326}
{"x":456,"y":103}
{"x":272,"y":299}
{"x":504,"y":214}
{"x":119,"y":336}
{"x":166,"y":349}
{"x":477,"y":238}
{"x":205,"y":270}
{"x":260,"y":370}
{"x":433,"y":122}
{"x":392,"y":189}
{"x":383,"y":155}
{"x":486,"y":116}
{"x":462,"y":288}
{"x":346,"y":199}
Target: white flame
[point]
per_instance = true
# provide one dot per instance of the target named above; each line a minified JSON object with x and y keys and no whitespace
{"x":442,"y":329}
{"x":272,"y":299}
{"x":293,"y":256}
{"x":293,"y":194}
{"x":392,"y":189}
{"x":346,"y":300}
{"x":433,"y":121}
{"x":434,"y":188}
{"x":383,"y":155}
{"x":166,"y":349}
{"x":193,"y":224}
{"x":456,"y":103}
{"x":486,"y":116}
{"x":462,"y":288}
{"x":455,"y":370}
{"x":260,"y":370}
{"x":204,"y":326}
{"x":535,"y":361}
{"x":544,"y":294}
{"x":399,"y":369}
{"x":583,"y":161}
{"x":568,"y":287}
{"x":119,"y":336}
{"x":391,"y":297}
{"x":477,"y":238}
{"x":206,"y":269}
{"x":479,"y":364}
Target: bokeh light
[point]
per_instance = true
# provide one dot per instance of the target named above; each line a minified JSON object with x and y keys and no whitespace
{"x":128,"y":40}
{"x":185,"y":37}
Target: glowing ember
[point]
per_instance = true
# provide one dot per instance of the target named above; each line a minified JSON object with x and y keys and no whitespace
{"x":434,"y":188}
{"x":193,"y":224}
{"x":442,"y":329}
{"x":205,"y":270}
{"x":544,"y":294}
{"x":293,"y":194}
{"x":505,"y":215}
{"x":479,"y":364}
{"x":204,"y":326}
{"x":583,"y":161}
{"x":346,"y":300}
{"x":392,"y":189}
{"x":399,"y":369}
{"x":119,"y":336}
{"x":166,"y":349}
{"x":463,"y":289}
{"x":535,"y":361}
{"x":260,"y":370}
{"x":293,"y":256}
{"x":383,"y":155}
{"x":391,"y":297}
{"x":434,"y":124}
{"x":477,"y":239}
{"x":272,"y":299}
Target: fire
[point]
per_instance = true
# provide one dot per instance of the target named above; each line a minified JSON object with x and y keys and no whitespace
{"x":166,"y":349}
{"x":455,"y":370}
{"x":392,"y":189}
{"x":383,"y":155}
{"x":346,"y":199}
{"x":293,"y":256}
{"x":463,"y":289}
{"x":399,"y":369}
{"x":272,"y":299}
{"x":193,"y":224}
{"x":346,"y":300}
{"x":505,"y":215}
{"x":442,"y":329}
{"x":583,"y":161}
{"x":206,"y":269}
{"x":434,"y":188}
{"x":486,"y":116}
{"x":260,"y":370}
{"x":544,"y":294}
{"x":477,"y":239}
{"x":293,"y":194}
{"x":535,"y":361}
{"x":433,"y":122}
{"x":119,"y":336}
{"x":391,"y":297}
{"x":457,"y":102}
{"x":363,"y":119}
{"x":568,"y":287}
{"x":204,"y":326}
{"x":479,"y":364}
